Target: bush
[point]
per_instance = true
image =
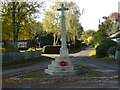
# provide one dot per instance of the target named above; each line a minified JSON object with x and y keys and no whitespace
{"x":46,"y":39}
{"x":50,"y":49}
{"x":112,"y":50}
{"x":101,"y":50}
{"x":11,"y":48}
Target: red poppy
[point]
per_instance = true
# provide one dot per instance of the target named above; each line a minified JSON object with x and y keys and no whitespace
{"x":63,"y":63}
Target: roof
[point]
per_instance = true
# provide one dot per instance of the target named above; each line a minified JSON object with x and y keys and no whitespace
{"x":114,"y":16}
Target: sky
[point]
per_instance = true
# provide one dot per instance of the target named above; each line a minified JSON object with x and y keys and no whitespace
{"x":94,"y":10}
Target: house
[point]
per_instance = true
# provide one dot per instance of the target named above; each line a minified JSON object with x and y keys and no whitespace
{"x":22,"y":44}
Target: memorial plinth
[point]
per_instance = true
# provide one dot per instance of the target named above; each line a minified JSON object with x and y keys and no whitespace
{"x":69,"y":67}
{"x":63,"y":65}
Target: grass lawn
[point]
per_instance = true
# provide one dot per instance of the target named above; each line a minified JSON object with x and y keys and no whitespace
{"x":106,"y":59}
{"x":84,"y":72}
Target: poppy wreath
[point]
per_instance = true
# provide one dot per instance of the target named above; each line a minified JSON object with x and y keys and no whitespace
{"x":63,"y":63}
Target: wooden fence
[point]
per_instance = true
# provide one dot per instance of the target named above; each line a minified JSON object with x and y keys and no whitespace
{"x":19,"y":56}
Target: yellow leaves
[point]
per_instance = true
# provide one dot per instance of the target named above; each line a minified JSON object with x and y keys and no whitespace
{"x":52,"y":21}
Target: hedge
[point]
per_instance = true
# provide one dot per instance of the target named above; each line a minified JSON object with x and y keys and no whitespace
{"x":50,"y":49}
{"x":101,"y":50}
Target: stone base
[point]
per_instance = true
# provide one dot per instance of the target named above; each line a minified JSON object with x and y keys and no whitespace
{"x":55,"y":68}
{"x":64,"y":52}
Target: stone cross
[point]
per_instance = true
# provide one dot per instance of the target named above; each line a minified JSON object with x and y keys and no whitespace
{"x":63,"y":50}
{"x":63,"y":65}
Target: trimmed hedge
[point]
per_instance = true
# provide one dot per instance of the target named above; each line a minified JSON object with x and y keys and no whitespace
{"x":101,"y":50}
{"x":50,"y":49}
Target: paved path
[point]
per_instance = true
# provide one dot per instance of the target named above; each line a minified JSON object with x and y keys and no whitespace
{"x":20,"y":70}
{"x":82,"y":58}
{"x":58,"y":85}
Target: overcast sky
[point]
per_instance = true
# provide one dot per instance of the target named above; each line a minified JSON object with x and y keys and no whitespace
{"x":93,"y":10}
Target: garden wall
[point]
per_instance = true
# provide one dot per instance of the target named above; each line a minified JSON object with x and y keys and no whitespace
{"x":19,"y":56}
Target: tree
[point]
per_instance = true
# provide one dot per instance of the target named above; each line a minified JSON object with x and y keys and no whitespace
{"x":15,"y":15}
{"x":89,"y":37}
{"x":51,"y":24}
{"x":52,"y":21}
{"x":106,"y":27}
{"x":88,"y":33}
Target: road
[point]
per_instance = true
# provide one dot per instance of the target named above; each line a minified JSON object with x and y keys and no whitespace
{"x":82,"y":58}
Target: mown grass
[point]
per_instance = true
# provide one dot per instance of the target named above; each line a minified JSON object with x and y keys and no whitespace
{"x":111,"y":60}
{"x":84,"y":72}
{"x":92,"y":52}
{"x":31,"y":49}
{"x":89,"y":73}
{"x":33,"y":75}
{"x":106,"y":59}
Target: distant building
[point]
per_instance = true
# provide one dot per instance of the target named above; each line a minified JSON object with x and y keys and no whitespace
{"x":22,"y":44}
{"x":114,"y":17}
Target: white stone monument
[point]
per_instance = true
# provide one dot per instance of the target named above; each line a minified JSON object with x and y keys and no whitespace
{"x":63,"y":65}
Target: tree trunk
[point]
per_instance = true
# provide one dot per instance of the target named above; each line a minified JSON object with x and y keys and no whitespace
{"x":55,"y":39}
{"x":54,"y":42}
{"x":14,"y":25}
{"x":74,"y":40}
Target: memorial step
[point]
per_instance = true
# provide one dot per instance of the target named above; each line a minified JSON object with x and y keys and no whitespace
{"x":57,"y":63}
{"x":57,"y":68}
{"x":72,"y":72}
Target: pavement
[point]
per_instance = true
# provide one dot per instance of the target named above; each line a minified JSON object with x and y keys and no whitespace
{"x":82,"y":58}
{"x":21,"y":70}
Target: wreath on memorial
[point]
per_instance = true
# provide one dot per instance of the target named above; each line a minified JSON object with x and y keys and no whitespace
{"x":63,"y":63}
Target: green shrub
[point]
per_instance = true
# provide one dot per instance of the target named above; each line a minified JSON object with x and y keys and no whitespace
{"x":112,"y":50}
{"x":101,"y":50}
{"x":50,"y":49}
{"x":11,"y":48}
{"x":45,"y":39}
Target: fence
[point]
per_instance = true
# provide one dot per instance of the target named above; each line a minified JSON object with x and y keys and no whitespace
{"x":19,"y":56}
